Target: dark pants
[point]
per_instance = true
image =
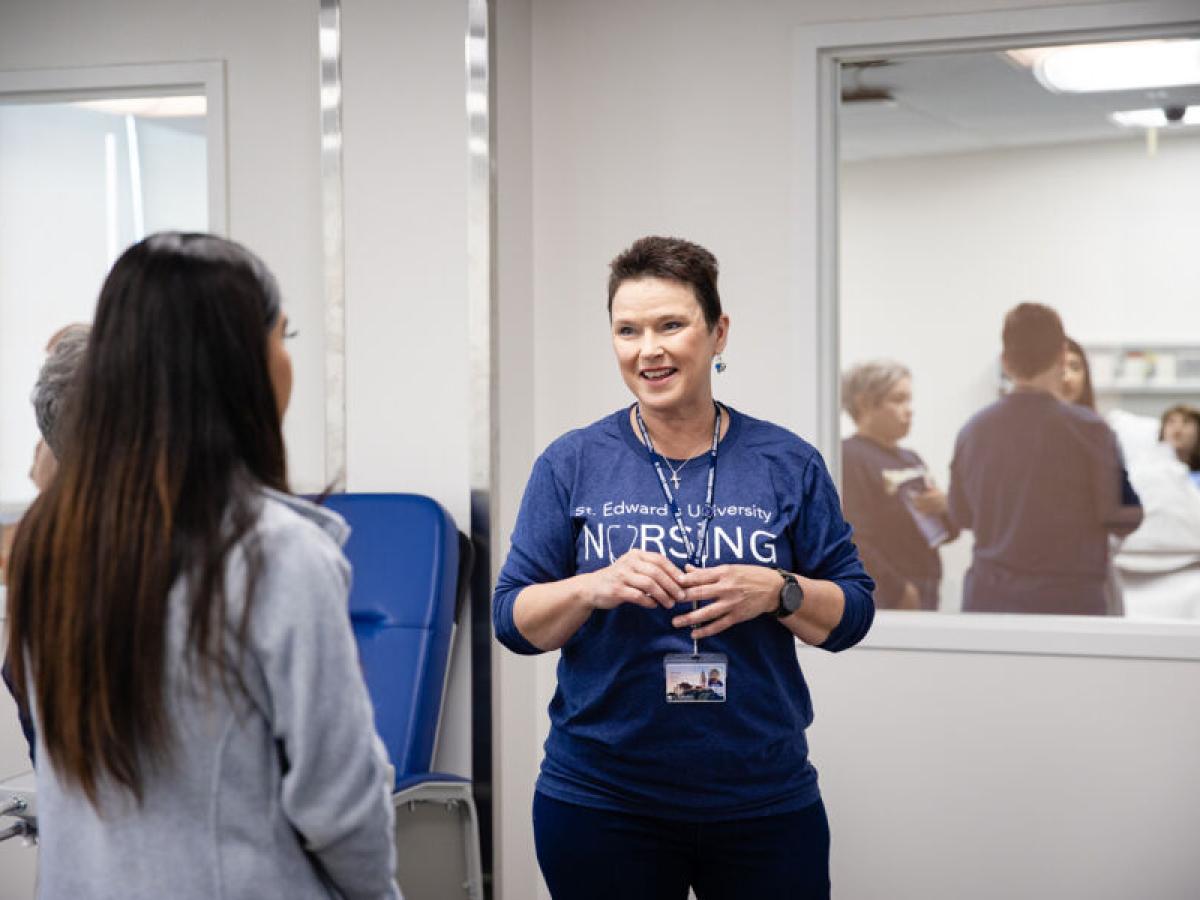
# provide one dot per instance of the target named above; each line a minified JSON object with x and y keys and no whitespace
{"x":589,"y":853}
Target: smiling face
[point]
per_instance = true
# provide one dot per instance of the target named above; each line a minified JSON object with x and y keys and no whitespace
{"x":664,"y":346}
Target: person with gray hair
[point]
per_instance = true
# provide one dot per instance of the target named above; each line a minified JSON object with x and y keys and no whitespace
{"x":65,"y":353}
{"x":899,"y":515}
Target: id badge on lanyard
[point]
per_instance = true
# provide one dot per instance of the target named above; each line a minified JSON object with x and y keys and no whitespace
{"x":696,"y":677}
{"x":692,"y":677}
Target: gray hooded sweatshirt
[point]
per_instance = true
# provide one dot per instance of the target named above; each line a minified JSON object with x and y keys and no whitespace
{"x":281,"y":791}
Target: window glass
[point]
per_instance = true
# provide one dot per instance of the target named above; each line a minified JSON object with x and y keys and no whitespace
{"x":970,"y":183}
{"x":79,"y":182}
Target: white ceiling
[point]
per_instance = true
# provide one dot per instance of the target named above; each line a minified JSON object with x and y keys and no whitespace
{"x":963,"y":102}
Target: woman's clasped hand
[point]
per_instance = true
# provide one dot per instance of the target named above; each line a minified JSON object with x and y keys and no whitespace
{"x":641,"y":577}
{"x":725,"y":595}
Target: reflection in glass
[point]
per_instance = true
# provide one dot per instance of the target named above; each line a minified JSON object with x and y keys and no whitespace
{"x":967,"y":188}
{"x":79,"y":182}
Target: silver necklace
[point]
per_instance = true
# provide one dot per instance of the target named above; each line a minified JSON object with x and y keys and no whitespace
{"x":675,"y":471}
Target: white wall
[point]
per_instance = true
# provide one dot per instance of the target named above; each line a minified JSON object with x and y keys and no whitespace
{"x":405,"y":175}
{"x":406,"y":247}
{"x":988,"y":776}
{"x":936,"y":249}
{"x":515,"y":718}
{"x":673,"y":117}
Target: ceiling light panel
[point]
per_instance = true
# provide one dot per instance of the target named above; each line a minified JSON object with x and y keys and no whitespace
{"x":153,"y":107}
{"x":1154,"y":118}
{"x":1122,"y":66}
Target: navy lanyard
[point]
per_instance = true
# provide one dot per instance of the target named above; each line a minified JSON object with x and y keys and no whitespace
{"x":696,"y":553}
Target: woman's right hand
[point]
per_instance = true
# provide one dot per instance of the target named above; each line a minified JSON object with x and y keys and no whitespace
{"x":548,"y":614}
{"x":641,"y":577}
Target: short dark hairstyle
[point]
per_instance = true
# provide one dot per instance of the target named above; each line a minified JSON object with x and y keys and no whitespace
{"x":673,"y":259}
{"x":1033,"y":339}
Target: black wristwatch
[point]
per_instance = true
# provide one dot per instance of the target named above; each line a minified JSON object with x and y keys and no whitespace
{"x":791,"y":595}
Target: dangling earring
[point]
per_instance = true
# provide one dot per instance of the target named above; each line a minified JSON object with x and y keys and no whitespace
{"x":719,"y":364}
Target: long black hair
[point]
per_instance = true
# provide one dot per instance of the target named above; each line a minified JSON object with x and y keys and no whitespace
{"x":170,"y":430}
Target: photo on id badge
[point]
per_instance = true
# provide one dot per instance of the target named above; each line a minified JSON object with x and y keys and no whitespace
{"x":696,"y":678}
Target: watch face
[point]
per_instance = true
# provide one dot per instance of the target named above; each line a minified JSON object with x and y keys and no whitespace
{"x":790,"y":598}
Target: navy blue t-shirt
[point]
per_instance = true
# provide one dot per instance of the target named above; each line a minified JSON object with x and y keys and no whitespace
{"x":615,"y":743}
{"x":875,"y":481}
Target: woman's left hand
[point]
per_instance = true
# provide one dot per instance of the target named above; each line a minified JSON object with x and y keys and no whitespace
{"x":730,"y":594}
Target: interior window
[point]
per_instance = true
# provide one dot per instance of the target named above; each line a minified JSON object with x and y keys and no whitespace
{"x":970,"y":183}
{"x":80,"y":180}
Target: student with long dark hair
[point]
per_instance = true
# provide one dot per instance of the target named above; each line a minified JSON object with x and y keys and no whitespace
{"x":178,"y":622}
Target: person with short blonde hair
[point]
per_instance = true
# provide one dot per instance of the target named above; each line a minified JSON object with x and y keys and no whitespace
{"x":866,"y":385}
{"x":898,"y":512}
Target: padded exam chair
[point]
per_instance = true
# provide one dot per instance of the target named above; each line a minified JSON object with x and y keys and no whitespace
{"x":411,"y":574}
